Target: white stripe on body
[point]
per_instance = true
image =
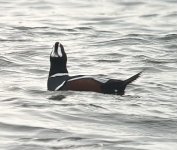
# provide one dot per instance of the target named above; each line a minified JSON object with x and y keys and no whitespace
{"x":103,"y":80}
{"x":58,"y":87}
{"x":77,"y":78}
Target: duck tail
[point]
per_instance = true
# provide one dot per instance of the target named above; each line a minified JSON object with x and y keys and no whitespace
{"x":133,"y":78}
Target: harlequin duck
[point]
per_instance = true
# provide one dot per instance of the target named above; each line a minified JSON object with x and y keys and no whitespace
{"x":59,"y":79}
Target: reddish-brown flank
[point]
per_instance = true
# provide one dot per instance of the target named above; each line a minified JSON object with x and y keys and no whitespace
{"x":83,"y":85}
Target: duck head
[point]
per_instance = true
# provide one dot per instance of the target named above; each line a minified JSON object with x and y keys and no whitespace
{"x":58,"y":60}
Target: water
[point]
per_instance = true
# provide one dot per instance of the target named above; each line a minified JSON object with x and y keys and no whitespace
{"x":116,"y":39}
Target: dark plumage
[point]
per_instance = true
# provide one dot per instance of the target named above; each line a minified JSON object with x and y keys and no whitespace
{"x":60,"y":80}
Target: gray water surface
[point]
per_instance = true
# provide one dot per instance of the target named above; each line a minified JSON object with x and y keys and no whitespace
{"x":116,"y":39}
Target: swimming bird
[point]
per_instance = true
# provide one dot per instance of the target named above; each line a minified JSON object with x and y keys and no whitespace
{"x":59,"y":79}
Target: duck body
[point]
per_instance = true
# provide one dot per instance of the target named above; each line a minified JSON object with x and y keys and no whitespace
{"x":59,"y":79}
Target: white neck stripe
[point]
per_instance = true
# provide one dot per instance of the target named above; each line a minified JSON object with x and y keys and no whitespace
{"x":59,"y":75}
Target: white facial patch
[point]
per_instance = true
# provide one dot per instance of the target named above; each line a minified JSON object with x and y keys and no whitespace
{"x":56,"y":53}
{"x":59,"y":50}
{"x":53,"y":54}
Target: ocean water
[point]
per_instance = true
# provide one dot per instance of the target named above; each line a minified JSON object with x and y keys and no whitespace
{"x":103,"y":38}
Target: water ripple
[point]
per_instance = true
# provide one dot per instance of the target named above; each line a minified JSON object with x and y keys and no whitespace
{"x":106,"y":39}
